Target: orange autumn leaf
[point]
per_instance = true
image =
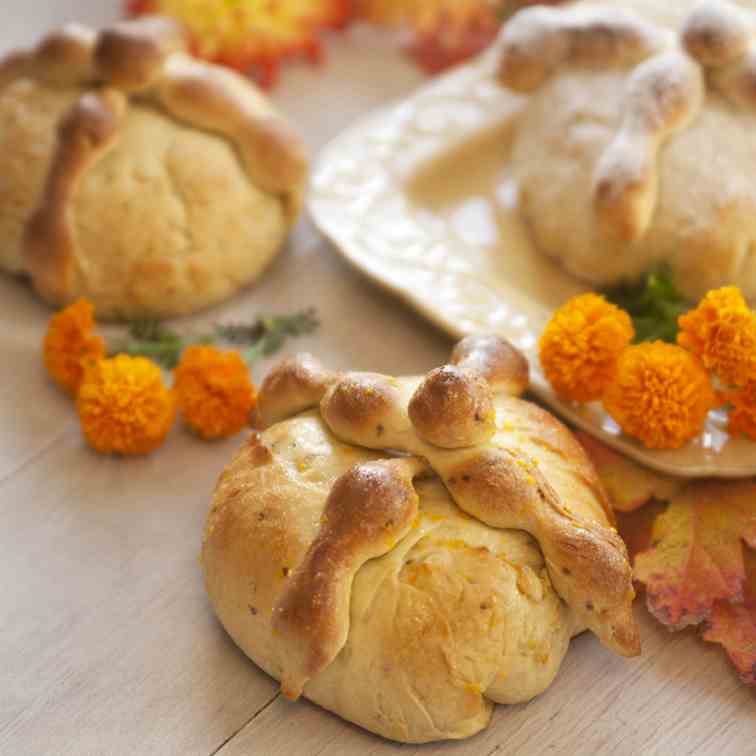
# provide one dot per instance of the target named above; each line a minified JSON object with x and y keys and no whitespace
{"x":445,"y":45}
{"x":444,"y":32}
{"x":636,"y":528}
{"x":696,"y":553}
{"x":628,"y":484}
{"x":733,"y":626}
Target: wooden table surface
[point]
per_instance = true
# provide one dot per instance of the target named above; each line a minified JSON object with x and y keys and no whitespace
{"x":107,"y":642}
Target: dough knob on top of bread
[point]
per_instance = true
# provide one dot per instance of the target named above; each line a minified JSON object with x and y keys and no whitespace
{"x":188,"y":200}
{"x":633,"y":148}
{"x":369,"y":543}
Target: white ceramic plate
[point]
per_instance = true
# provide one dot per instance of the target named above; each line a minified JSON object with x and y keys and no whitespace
{"x":418,"y":198}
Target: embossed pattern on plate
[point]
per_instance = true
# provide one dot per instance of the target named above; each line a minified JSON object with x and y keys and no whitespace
{"x":417,"y":197}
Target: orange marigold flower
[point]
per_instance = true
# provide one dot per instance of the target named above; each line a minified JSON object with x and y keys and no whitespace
{"x":722,"y":332}
{"x":69,"y":342}
{"x":743,"y":413}
{"x":250,"y":35}
{"x":214,"y":391}
{"x":581,"y":344}
{"x":661,"y":395}
{"x":124,"y":406}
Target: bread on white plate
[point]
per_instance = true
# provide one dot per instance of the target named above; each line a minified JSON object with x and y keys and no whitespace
{"x":636,"y":145}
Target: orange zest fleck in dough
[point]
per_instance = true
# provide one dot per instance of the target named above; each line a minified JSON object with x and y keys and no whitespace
{"x":214,"y":391}
{"x":661,"y":395}
{"x":743,"y":412}
{"x":124,"y":406}
{"x":581,"y":344}
{"x":69,"y":343}
{"x":722,"y":332}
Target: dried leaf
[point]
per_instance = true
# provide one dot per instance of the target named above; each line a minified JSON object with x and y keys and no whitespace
{"x":689,"y":542}
{"x":734,"y":625}
{"x":636,"y":527}
{"x":628,"y":484}
{"x":696,"y":553}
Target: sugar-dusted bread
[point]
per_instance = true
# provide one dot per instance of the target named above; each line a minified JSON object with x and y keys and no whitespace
{"x":409,"y":591}
{"x":636,"y":145}
{"x":134,"y":175}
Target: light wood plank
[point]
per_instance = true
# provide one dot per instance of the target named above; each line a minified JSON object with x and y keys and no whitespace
{"x":679,"y":698}
{"x":108,"y":644}
{"x":34,"y":414}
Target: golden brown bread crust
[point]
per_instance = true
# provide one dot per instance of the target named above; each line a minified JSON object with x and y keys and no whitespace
{"x":601,"y":597}
{"x":130,"y":55}
{"x":505,"y":368}
{"x":63,"y":57}
{"x":361,"y":616}
{"x":453,"y":618}
{"x":463,"y":398}
{"x":147,"y":58}
{"x":715,"y":33}
{"x":366,"y":409}
{"x":664,"y":95}
{"x":293,"y":386}
{"x":219,"y":100}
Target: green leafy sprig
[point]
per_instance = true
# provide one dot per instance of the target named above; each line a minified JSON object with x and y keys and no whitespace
{"x":654,"y":304}
{"x":263,"y":337}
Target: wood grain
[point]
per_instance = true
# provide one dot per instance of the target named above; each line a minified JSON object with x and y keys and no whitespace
{"x":680,"y":697}
{"x":107,"y":642}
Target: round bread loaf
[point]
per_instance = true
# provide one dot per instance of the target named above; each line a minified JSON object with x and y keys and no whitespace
{"x":133,"y":175}
{"x":635,"y":147}
{"x":410,"y":592}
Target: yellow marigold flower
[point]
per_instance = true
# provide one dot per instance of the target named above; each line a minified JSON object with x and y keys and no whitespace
{"x":661,"y":395}
{"x":743,"y":414}
{"x":722,"y":332}
{"x":581,"y":344}
{"x":124,"y":406}
{"x":214,"y":391}
{"x":69,"y":342}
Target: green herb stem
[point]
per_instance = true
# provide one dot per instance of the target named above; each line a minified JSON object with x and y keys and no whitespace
{"x":653,"y":303}
{"x":263,"y":337}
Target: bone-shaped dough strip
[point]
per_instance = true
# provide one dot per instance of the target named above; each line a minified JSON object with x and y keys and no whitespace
{"x":370,"y":508}
{"x":717,"y":33}
{"x":504,"y":367}
{"x":737,"y":82}
{"x":504,"y":488}
{"x":299,"y":383}
{"x":664,"y":95}
{"x":294,"y":385}
{"x":221,"y":101}
{"x":539,"y":40}
{"x":587,"y":560}
{"x":88,"y":131}
{"x":462,"y":392}
{"x":722,"y":37}
{"x":63,"y":57}
{"x":131,"y":54}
